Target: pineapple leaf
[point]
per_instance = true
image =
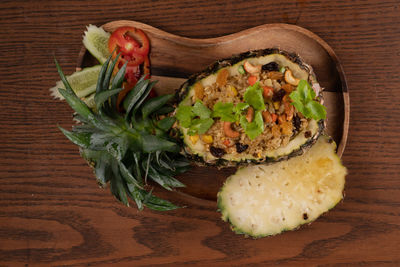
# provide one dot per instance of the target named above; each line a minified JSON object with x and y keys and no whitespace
{"x":62,"y":76}
{"x":117,"y":148}
{"x":166,"y":123}
{"x":142,"y":98}
{"x":152,"y":143}
{"x":108,"y":74}
{"x":102,"y":74}
{"x":136,"y":166}
{"x":164,"y":179}
{"x":119,"y":77}
{"x":154,"y":104}
{"x":135,"y":94}
{"x":103,"y":96}
{"x":117,"y":187}
{"x":128,"y":177}
{"x":101,"y":169}
{"x":156,"y":203}
{"x":79,"y":139}
{"x":135,"y":194}
{"x":164,"y":110}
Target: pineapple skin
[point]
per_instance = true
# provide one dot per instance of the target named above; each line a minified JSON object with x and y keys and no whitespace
{"x":322,"y":150}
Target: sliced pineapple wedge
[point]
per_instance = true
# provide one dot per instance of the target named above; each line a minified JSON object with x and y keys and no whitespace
{"x":264,"y":200}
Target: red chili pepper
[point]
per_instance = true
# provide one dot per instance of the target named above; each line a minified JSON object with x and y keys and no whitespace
{"x":252,"y":79}
{"x":131,"y":42}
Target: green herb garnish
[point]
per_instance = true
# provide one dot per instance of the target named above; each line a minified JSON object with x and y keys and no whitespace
{"x":200,"y":126}
{"x":225,"y":111}
{"x":303,"y":100}
{"x":200,"y":110}
{"x":184,"y":114}
{"x":253,"y":96}
{"x":197,"y":118}
{"x":241,"y":69}
{"x":254,"y":128}
{"x":239,"y":108}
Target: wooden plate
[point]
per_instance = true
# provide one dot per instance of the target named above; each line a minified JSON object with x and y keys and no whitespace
{"x":174,"y":58}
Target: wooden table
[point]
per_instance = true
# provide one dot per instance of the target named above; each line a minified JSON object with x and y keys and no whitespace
{"x":53,"y":213}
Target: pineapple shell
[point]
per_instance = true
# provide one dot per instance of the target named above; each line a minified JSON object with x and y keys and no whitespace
{"x":297,"y":145}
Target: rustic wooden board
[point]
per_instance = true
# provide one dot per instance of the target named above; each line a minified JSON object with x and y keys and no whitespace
{"x":174,"y":58}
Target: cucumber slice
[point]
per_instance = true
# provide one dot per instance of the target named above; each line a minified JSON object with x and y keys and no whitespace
{"x":264,"y":200}
{"x":82,"y":82}
{"x":95,"y":40}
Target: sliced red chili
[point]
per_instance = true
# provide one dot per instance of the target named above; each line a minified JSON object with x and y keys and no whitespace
{"x":131,"y":42}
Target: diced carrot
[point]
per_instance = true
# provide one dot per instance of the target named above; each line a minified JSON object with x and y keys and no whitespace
{"x":268,"y":91}
{"x":252,"y":79}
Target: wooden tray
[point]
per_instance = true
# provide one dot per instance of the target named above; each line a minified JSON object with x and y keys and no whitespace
{"x":174,"y":58}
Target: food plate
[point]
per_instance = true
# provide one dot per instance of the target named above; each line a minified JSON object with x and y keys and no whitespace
{"x":174,"y":58}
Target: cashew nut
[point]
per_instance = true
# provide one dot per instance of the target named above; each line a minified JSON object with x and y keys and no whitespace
{"x":229,"y":131}
{"x":251,"y":68}
{"x":289,"y":78}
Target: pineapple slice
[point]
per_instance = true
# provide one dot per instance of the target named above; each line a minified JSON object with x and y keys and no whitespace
{"x":264,"y":200}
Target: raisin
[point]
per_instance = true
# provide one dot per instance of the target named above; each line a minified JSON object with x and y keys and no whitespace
{"x":217,"y":152}
{"x":241,"y":147}
{"x":272,"y":66}
{"x":297,"y":123}
{"x":307,"y":134}
{"x":305,"y":216}
{"x":278,"y":95}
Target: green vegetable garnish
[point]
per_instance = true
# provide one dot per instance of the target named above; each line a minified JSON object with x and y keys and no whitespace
{"x":184,"y":114}
{"x":254,"y":128}
{"x":253,"y":96}
{"x":224,"y":111}
{"x":241,"y":69}
{"x":303,"y":100}
{"x":197,"y":118}
{"x":200,"y":126}
{"x":239,"y":108}
{"x":200,"y":110}
{"x":282,"y":69}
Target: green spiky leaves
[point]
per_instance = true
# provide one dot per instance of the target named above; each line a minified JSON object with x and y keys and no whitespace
{"x":127,"y":150}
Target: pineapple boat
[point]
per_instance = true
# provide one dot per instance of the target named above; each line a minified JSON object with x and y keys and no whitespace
{"x":243,"y":109}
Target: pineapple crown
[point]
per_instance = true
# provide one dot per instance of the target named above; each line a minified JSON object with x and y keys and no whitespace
{"x":126,"y":150}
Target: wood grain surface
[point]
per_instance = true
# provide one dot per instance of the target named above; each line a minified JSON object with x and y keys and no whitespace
{"x":53,"y":213}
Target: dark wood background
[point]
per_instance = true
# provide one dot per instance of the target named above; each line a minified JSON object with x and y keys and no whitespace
{"x":53,"y":213}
